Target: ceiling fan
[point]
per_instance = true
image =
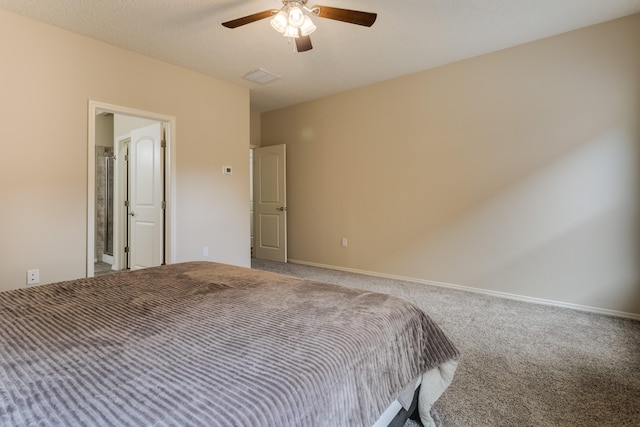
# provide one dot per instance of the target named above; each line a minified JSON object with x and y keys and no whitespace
{"x":291,"y":21}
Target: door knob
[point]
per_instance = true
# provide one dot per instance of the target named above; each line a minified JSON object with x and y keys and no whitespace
{"x":282,"y":209}
{"x":132,"y":213}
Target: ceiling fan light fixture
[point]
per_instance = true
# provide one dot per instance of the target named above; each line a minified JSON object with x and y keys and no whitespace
{"x":307,"y":27}
{"x":293,"y":20}
{"x":279,"y":22}
{"x":291,"y":31}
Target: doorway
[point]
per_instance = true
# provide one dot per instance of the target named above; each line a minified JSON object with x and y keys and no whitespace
{"x":130,"y":214}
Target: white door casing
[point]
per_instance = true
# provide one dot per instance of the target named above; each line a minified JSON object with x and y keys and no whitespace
{"x":270,"y":203}
{"x":146,"y":229}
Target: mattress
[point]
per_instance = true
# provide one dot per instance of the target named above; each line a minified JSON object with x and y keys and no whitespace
{"x":207,"y":344}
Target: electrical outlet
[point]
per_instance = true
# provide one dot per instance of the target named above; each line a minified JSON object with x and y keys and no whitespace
{"x":205,"y":251}
{"x":33,"y":276}
{"x":344,"y":242}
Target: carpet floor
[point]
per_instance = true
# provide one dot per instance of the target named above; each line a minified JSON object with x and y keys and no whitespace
{"x":522,"y":364}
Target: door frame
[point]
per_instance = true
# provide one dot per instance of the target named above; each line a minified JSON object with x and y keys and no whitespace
{"x":96,"y":107}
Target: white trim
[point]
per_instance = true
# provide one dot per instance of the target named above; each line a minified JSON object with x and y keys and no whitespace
{"x":170,"y":161}
{"x":498,"y":294}
{"x":91,"y":191}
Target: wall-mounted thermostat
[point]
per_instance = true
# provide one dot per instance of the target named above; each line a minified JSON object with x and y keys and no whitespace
{"x":226,"y":170}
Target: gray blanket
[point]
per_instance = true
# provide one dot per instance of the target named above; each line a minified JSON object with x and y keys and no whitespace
{"x":205,"y":344}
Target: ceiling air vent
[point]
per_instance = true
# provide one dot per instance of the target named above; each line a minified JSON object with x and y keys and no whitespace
{"x":261,"y":76}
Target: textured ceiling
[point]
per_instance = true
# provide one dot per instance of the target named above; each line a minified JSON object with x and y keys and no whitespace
{"x":408,"y":36}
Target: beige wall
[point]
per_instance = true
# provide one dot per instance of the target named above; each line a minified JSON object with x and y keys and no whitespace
{"x":255,"y":129}
{"x":124,"y":124}
{"x":104,"y":130}
{"x":516,"y":172}
{"x":48,"y":76}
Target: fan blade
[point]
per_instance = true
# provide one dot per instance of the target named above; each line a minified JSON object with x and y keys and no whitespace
{"x":345,"y":15}
{"x":249,"y":18}
{"x":303,"y":43}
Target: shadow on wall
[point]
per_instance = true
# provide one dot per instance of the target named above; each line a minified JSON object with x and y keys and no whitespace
{"x":571,"y":231}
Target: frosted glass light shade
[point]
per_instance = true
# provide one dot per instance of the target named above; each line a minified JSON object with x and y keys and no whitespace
{"x":307,"y":27}
{"x":291,"y":31}
{"x":279,"y":22}
{"x":296,"y":17}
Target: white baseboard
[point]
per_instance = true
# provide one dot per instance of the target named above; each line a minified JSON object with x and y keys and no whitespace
{"x":506,"y":295}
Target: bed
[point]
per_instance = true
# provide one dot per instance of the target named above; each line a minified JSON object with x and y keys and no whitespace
{"x":207,"y":344}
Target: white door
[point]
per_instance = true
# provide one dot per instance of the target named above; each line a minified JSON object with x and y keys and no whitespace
{"x":146,"y":228}
{"x":270,"y":203}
